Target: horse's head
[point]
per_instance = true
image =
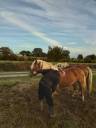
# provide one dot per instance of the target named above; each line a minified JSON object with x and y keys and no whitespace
{"x":36,"y":66}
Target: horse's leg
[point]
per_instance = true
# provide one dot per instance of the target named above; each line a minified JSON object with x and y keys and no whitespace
{"x":82,"y":90}
{"x":89,"y":82}
{"x":76,"y":89}
{"x":83,"y":87}
{"x":41,"y":105}
{"x":56,"y":91}
{"x":82,"y":93}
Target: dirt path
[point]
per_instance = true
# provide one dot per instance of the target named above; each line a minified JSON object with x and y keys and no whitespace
{"x":13,"y":74}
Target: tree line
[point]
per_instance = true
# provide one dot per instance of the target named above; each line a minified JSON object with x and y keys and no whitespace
{"x":54,"y":54}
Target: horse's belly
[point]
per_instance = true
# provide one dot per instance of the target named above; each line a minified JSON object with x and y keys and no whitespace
{"x":65,"y":82}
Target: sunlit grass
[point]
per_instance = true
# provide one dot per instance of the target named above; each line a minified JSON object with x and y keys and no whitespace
{"x":14,"y":80}
{"x":19,"y":107}
{"x":27,"y":79}
{"x":94,"y":77}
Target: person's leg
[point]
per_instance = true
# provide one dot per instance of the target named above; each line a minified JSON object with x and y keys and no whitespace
{"x":49,"y":101}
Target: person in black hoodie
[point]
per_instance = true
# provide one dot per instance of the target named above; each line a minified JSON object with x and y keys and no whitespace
{"x":47,"y":86}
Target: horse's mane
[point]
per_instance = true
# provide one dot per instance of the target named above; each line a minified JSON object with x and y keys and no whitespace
{"x":45,"y":64}
{"x":48,"y":65}
{"x":62,"y":65}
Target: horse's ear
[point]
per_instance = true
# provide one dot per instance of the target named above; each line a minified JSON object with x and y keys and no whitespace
{"x":35,"y":61}
{"x":40,"y":64}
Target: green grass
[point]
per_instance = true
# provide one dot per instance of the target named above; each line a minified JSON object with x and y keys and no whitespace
{"x":94,"y":77}
{"x":13,"y":81}
{"x":19,"y":107}
{"x":27,"y":79}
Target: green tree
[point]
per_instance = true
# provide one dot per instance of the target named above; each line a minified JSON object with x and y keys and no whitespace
{"x":7,"y":54}
{"x":90,"y":58}
{"x":57,"y":53}
{"x":38,"y":52}
{"x":6,"y":50}
{"x":27,"y":53}
{"x":66,"y":55}
{"x":80,"y":58}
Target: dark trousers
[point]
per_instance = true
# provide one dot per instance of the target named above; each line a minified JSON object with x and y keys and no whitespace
{"x":46,"y":92}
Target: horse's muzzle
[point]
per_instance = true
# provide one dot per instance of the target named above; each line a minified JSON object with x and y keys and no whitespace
{"x":32,"y":73}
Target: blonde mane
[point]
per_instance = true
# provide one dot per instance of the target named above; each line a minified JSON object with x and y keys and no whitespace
{"x":45,"y":65}
{"x":62,"y":65}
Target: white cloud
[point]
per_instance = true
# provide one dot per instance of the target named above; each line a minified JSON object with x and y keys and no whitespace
{"x":91,"y":39}
{"x":71,"y":43}
{"x":12,"y":19}
{"x":74,"y":20}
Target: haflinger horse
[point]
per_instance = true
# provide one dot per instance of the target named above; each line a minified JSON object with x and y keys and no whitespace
{"x":41,"y":64}
{"x":53,"y":78}
{"x":88,"y":76}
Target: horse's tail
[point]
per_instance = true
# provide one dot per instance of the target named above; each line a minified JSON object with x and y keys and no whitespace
{"x":89,"y":80}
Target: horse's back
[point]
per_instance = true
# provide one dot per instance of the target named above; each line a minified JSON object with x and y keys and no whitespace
{"x":85,"y":68}
{"x":71,"y":75}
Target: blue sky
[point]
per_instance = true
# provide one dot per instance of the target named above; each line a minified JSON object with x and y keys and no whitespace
{"x":29,"y":24}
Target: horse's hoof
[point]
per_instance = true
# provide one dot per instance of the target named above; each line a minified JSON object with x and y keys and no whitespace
{"x":73,"y":95}
{"x":83,"y":99}
{"x":52,"y":115}
{"x":55,"y":94}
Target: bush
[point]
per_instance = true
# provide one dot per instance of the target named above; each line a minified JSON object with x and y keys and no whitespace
{"x":15,"y":66}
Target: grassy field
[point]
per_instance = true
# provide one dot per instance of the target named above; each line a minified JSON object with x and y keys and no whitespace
{"x":19,"y":106}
